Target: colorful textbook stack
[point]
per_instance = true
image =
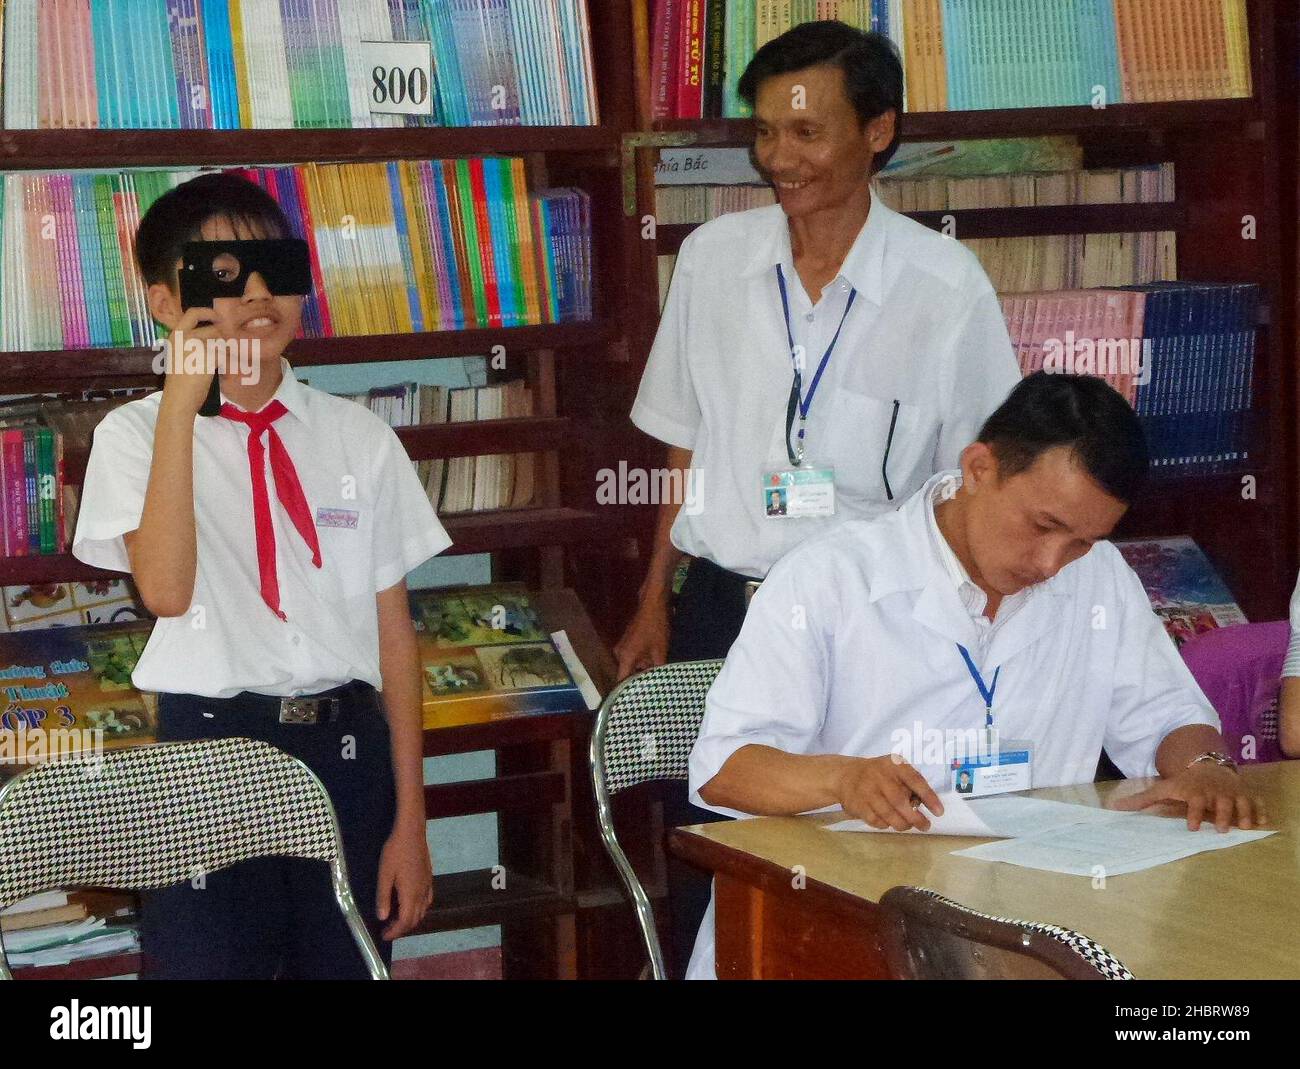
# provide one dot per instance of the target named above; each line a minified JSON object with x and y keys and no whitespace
{"x":396,"y":247}
{"x":1182,"y":353}
{"x":232,"y":64}
{"x":962,"y":55}
{"x":31,"y":483}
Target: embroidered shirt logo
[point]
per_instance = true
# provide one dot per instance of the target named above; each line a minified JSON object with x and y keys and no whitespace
{"x":327,"y":517}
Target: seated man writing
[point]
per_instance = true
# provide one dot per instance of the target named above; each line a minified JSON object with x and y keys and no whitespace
{"x":990,"y":600}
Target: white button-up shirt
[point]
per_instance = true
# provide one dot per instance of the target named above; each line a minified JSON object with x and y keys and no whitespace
{"x":925,"y":330}
{"x":850,"y":647}
{"x":373,"y":520}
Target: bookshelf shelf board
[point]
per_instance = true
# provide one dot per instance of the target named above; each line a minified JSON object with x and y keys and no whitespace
{"x":40,"y":149}
{"x":482,"y":532}
{"x":471,"y":532}
{"x":469,"y":900}
{"x":1015,"y":222}
{"x":98,"y":968}
{"x":84,"y":369}
{"x":429,"y":440}
{"x":485,"y":437}
{"x":1012,"y":122}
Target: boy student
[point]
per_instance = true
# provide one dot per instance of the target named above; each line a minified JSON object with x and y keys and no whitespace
{"x":989,"y":603}
{"x":272,"y":542}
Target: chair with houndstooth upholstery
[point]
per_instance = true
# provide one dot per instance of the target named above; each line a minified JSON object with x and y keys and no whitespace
{"x":644,"y":733}
{"x":929,"y":937}
{"x":153,"y":816}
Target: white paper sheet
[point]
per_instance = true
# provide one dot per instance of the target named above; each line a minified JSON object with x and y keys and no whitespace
{"x":1001,"y":816}
{"x":1111,"y":846}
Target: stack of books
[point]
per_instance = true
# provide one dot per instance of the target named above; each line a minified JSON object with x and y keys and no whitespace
{"x":1129,"y":185}
{"x":231,"y":64}
{"x":1076,"y":261}
{"x":962,"y":55}
{"x":1182,"y":353}
{"x":462,"y":484}
{"x":58,"y":927}
{"x":396,"y":247}
{"x":1185,"y":590}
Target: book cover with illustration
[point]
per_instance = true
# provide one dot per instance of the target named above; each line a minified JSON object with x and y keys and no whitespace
{"x":1185,"y":590}
{"x":486,"y":654}
{"x":76,"y":678}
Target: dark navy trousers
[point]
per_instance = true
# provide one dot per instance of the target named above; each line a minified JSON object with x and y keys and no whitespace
{"x":276,"y":918}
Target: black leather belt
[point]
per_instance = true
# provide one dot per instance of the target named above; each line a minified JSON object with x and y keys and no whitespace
{"x":327,"y":707}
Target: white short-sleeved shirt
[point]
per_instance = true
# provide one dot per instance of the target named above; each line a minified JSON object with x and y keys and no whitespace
{"x":925,"y":330}
{"x":373,"y":520}
{"x":1291,"y":666}
{"x":875,"y":669}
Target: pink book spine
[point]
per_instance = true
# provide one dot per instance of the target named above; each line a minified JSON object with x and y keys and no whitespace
{"x":70,"y":288}
{"x":15,"y":482}
{"x":45,"y":67}
{"x":86,"y":86}
{"x":1136,"y":325}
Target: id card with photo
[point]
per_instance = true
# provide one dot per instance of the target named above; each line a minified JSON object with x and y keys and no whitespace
{"x":798,"y":493}
{"x":1006,"y":766}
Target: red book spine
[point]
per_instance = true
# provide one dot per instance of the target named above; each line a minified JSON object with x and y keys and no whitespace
{"x":690,"y":67}
{"x":309,"y":232}
{"x":15,"y":483}
{"x":663,"y":100}
{"x":452,"y":189}
{"x":490,"y":287}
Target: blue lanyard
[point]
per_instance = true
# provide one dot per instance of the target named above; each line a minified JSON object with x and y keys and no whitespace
{"x":985,"y":692}
{"x":797,"y":400}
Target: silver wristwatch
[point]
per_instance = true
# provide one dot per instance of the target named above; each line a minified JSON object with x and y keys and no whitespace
{"x":1214,"y":757}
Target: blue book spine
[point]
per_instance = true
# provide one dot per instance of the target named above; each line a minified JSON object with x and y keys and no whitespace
{"x":177,"y":45}
{"x":510,"y":312}
{"x":105,"y":67}
{"x":92,"y":268}
{"x":956,"y":41}
{"x":404,"y":244}
{"x":443,"y":236}
{"x":221,"y":63}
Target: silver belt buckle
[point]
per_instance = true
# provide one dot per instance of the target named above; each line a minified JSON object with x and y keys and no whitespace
{"x":751,"y":588}
{"x":299,"y":710}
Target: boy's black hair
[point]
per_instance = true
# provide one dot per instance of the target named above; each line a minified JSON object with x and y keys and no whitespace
{"x":178,"y":216}
{"x":873,"y":73}
{"x":1080,"y":412}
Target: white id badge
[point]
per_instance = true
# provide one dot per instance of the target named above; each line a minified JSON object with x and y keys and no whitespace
{"x":798,"y":493}
{"x":994,"y":768}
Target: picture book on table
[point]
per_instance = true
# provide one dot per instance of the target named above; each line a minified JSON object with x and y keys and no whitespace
{"x":486,"y":654}
{"x":77,"y":679}
{"x":1185,"y":590}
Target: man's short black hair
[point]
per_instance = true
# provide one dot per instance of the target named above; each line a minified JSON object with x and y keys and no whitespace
{"x":1082,"y":413}
{"x":873,"y":73}
{"x":178,"y":216}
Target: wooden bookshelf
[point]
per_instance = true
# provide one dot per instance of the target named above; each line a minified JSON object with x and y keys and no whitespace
{"x":1012,"y":122}
{"x":28,"y":150}
{"x":1015,"y":222}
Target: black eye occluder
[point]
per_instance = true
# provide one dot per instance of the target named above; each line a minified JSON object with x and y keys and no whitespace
{"x":212,"y":269}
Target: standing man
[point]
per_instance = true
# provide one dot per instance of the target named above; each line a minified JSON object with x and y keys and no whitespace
{"x":825,"y":346}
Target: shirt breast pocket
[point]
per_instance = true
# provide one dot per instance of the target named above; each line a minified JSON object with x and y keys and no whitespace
{"x":882,"y":449}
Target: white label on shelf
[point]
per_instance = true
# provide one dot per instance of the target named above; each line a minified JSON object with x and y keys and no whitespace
{"x":705,"y":167}
{"x":400,"y":77}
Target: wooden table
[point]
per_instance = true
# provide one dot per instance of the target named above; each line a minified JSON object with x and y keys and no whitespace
{"x":1226,"y":914}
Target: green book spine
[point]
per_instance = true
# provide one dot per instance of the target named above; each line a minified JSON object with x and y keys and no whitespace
{"x":119,"y":323}
{"x":33,"y":504}
{"x":45,"y":486}
{"x":508,"y":193}
{"x":473,"y":243}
